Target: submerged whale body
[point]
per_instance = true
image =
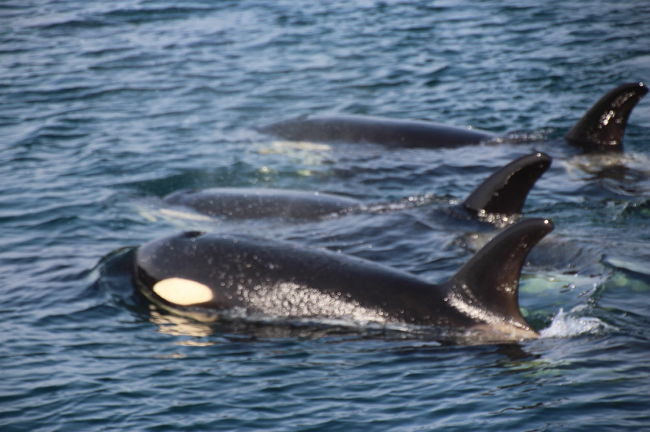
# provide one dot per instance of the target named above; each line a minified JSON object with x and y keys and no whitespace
{"x":205,"y":276}
{"x":503,"y":194}
{"x":601,"y":129}
{"x":251,"y":203}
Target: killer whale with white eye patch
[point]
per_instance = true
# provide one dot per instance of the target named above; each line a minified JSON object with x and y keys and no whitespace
{"x":601,"y":128}
{"x":499,"y":197}
{"x":207,"y":276}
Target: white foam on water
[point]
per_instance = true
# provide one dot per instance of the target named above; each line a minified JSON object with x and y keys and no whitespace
{"x":569,"y":324}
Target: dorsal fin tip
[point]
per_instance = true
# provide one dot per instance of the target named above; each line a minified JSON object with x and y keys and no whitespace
{"x":602,"y":127}
{"x":505,"y":191}
{"x":488,"y":284}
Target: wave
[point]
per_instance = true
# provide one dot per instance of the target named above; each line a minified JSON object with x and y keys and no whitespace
{"x":571,"y":324}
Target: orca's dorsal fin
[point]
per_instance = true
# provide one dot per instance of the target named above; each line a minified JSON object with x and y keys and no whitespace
{"x":486,"y":288}
{"x":505,"y":191}
{"x":601,"y":129}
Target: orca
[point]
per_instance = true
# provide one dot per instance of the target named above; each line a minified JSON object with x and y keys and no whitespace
{"x":212,"y":277}
{"x":500,"y":196}
{"x":253,"y":203}
{"x":601,"y":128}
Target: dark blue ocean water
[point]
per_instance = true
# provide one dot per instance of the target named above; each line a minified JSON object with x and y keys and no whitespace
{"x":105,"y":107}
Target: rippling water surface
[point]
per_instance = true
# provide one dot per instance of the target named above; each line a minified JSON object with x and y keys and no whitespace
{"x":105,"y":107}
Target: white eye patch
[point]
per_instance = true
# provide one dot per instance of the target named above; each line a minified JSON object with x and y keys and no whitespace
{"x":183,"y":292}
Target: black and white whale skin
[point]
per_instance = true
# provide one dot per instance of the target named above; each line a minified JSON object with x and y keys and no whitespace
{"x":503,"y":193}
{"x":601,"y":129}
{"x":205,"y":276}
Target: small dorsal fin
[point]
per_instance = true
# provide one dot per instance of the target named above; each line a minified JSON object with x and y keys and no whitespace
{"x":487,"y":287}
{"x":601,"y":129}
{"x":505,"y":191}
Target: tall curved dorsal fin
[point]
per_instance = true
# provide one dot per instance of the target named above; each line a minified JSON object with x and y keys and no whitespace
{"x":486,"y":288}
{"x":505,"y":191}
{"x":601,"y":129}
